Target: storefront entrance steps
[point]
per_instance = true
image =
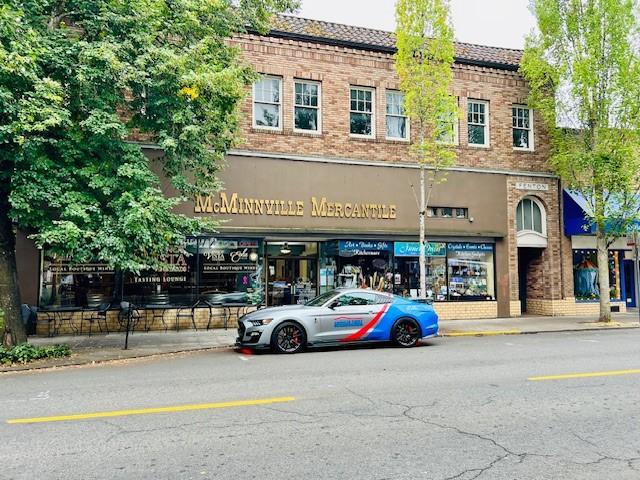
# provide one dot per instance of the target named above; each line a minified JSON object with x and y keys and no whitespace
{"x":108,"y":348}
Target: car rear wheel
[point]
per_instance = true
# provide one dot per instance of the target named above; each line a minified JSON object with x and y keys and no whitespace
{"x":406,"y":332}
{"x":289,"y":337}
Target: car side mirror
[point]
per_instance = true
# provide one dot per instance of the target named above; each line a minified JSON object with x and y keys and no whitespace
{"x":333,"y":305}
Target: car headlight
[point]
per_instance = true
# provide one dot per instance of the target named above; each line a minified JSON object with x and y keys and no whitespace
{"x":263,"y":321}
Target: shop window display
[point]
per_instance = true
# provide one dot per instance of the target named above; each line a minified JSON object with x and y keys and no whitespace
{"x":69,"y":284}
{"x":585,"y":275}
{"x":175,"y":285}
{"x":357,"y":263}
{"x":230,"y":270}
{"x":470,"y":269}
{"x":407,"y":270}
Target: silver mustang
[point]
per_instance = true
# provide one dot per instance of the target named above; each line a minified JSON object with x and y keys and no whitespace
{"x":337,"y":317}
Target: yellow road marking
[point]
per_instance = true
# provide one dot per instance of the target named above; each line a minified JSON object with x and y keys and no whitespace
{"x":483,"y":334}
{"x":146,"y":411}
{"x":612,"y":373}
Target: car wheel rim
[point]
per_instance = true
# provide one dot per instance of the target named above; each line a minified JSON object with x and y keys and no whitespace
{"x":289,"y":338}
{"x":406,"y":333}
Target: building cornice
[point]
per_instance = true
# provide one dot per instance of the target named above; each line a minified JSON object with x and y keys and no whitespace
{"x":366,"y":163}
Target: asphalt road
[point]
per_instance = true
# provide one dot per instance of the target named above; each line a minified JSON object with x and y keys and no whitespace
{"x":457,"y":408}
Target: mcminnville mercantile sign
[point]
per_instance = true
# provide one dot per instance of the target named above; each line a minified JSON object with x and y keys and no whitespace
{"x":235,"y":205}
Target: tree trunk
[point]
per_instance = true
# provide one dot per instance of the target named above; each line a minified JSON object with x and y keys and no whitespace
{"x":603,"y":276}
{"x":423,"y":257}
{"x":15,"y":332}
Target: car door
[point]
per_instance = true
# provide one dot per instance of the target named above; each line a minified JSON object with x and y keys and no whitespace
{"x":347,"y":315}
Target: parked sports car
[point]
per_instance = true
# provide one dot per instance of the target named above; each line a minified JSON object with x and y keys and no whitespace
{"x":338,"y":317}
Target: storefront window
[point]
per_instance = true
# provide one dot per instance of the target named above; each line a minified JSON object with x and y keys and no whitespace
{"x":230,"y":270}
{"x":175,"y":286}
{"x":407,"y":270}
{"x":357,"y":263}
{"x":68,"y":284}
{"x":470,"y":269}
{"x":585,"y":275}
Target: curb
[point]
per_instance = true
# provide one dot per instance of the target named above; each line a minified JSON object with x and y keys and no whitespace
{"x":488,"y":333}
{"x":33,"y":368}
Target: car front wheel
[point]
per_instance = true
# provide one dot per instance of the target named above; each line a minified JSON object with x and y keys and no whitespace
{"x":289,"y":337}
{"x":406,"y":332}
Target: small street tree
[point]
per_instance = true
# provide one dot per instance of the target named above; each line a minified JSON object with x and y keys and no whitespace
{"x":424,"y":62}
{"x":77,"y":79}
{"x":583,"y":68}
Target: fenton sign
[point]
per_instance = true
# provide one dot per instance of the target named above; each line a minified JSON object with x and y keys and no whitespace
{"x":235,"y":205}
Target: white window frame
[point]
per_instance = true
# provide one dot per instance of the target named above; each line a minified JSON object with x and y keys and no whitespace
{"x":531,"y":147}
{"x":280,"y":104}
{"x":528,"y":237}
{"x":487,"y":133}
{"x":407,"y":138}
{"x":373,"y":111}
{"x":318,"y":108}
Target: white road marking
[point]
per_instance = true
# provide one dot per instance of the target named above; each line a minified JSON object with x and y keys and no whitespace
{"x":243,"y":358}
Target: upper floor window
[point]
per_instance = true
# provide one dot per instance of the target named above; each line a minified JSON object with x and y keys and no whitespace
{"x":397,"y":124}
{"x":522,"y":128}
{"x":307,"y":106}
{"x":448,"y":129}
{"x":361,"y":112}
{"x":478,"y":123}
{"x":267,"y":103}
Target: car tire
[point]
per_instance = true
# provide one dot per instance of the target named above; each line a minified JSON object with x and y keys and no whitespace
{"x":288,"y":337}
{"x":406,"y":333}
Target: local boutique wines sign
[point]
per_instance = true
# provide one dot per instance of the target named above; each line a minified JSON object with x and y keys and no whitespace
{"x":233,"y":204}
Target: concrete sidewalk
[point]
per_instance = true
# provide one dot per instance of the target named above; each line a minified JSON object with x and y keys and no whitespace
{"x":104,"y":348}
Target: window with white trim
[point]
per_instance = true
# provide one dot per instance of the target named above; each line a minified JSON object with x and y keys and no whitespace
{"x":267,"y":103}
{"x":529,"y":216}
{"x":522,"y":127}
{"x":397,"y":122}
{"x":478,"y":123}
{"x":306,"y":106}
{"x":361,"y":112}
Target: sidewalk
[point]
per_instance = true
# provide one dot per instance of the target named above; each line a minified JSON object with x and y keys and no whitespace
{"x":104,"y":348}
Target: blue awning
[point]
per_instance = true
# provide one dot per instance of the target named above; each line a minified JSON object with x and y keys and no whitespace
{"x":576,"y":216}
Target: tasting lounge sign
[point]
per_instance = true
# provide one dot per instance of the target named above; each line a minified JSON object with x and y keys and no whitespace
{"x":234,"y":204}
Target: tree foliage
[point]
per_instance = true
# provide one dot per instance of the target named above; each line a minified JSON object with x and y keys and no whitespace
{"x":78,"y":78}
{"x":583,"y":68}
{"x":424,"y":62}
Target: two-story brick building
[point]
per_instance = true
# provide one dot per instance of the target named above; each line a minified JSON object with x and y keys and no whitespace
{"x":321,"y":193}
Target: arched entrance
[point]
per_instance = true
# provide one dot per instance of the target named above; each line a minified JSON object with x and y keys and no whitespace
{"x":531,"y":228}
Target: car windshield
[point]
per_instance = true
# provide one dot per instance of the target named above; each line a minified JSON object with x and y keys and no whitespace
{"x":321,"y":299}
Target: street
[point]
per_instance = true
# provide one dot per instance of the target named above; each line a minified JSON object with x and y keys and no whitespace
{"x":493,"y":407}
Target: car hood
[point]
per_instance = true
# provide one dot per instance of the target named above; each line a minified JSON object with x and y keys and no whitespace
{"x":273,"y":311}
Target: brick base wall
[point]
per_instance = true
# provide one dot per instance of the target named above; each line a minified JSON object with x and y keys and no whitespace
{"x":515,"y":308}
{"x":593,"y":308}
{"x":72,"y":323}
{"x":466,"y":310}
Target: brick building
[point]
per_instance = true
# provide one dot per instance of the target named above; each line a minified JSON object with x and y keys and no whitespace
{"x":320,"y":193}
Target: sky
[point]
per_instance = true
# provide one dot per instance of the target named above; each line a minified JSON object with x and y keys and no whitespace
{"x":498,"y":23}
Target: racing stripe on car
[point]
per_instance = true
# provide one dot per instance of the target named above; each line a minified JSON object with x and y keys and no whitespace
{"x":368,"y":327}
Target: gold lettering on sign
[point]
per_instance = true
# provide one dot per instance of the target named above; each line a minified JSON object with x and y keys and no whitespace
{"x":233,"y":204}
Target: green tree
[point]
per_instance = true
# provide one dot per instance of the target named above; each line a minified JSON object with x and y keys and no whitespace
{"x":79,"y":78}
{"x":424,"y":62}
{"x":583,"y":68}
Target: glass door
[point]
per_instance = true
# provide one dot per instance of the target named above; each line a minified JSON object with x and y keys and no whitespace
{"x":291,"y":281}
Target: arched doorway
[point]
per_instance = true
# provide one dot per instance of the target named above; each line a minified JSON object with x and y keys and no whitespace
{"x":531,"y":234}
